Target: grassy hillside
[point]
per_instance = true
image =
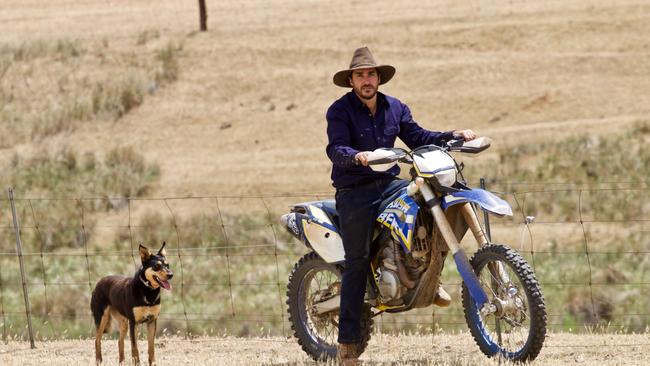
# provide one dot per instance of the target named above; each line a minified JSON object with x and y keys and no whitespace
{"x":103,"y":100}
{"x":246,"y":112}
{"x":231,"y":269}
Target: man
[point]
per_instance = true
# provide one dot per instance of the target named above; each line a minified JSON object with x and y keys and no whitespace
{"x":359,"y":122}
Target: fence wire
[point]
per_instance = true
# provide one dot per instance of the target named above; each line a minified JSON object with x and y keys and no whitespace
{"x":232,"y":260}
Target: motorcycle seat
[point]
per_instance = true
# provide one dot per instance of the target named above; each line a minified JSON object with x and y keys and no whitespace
{"x":329,"y":206}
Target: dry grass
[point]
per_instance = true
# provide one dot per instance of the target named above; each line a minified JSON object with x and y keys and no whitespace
{"x":520,"y":71}
{"x":441,"y":349}
{"x":242,"y":111}
{"x":55,"y":86}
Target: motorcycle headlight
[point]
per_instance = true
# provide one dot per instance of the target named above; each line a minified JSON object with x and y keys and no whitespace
{"x":446,"y":178}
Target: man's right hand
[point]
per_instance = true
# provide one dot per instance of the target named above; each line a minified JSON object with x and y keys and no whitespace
{"x":466,"y":135}
{"x":362,"y":158}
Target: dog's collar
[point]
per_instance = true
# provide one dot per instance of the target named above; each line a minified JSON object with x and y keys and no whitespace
{"x":145,"y":282}
{"x":146,"y":301}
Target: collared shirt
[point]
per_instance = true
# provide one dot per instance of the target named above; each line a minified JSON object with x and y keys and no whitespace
{"x":352,"y":128}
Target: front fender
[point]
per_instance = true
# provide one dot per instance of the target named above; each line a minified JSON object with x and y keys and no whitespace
{"x":487,"y":200}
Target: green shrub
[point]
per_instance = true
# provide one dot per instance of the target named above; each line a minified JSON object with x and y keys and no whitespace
{"x":61,"y":49}
{"x":66,"y":220}
{"x":586,"y":166}
{"x":115,"y":99}
{"x":91,"y":85}
{"x":167,"y":57}
{"x":147,"y":35}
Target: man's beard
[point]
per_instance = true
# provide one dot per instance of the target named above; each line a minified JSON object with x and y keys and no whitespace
{"x":366,"y":96}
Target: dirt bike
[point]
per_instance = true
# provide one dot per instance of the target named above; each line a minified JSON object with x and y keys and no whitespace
{"x":416,"y":228}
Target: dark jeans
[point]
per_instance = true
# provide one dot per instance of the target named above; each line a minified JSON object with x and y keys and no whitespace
{"x":358,"y":209}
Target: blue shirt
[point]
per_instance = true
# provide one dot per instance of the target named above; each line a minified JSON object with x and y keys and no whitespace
{"x":351,"y":128}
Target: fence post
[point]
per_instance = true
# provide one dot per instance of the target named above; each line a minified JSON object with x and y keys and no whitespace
{"x":203,"y":16}
{"x":19,"y":251}
{"x":486,"y":217}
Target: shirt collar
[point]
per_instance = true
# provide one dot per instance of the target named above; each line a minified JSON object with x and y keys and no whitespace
{"x":356,"y":101}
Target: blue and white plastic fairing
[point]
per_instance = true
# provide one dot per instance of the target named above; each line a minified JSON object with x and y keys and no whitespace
{"x":399,"y":216}
{"x":487,"y":200}
{"x":315,"y":228}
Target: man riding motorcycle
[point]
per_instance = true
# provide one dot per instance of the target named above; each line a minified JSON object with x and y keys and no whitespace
{"x":361,"y":121}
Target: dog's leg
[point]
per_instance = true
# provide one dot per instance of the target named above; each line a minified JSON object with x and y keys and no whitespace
{"x":151,"y":335}
{"x":134,"y":344}
{"x":124,"y":325}
{"x":98,"y":336}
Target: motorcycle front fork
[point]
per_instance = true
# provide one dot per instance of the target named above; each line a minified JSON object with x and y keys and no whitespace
{"x":496,"y":268}
{"x":462,"y":264}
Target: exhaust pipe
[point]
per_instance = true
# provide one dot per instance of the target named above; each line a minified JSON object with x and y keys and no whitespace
{"x":284,"y":219}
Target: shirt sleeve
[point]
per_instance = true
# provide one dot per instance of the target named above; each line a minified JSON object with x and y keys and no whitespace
{"x":338,"y":133}
{"x":415,"y":136}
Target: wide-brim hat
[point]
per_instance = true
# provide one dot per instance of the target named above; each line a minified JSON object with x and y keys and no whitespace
{"x":363,"y":59}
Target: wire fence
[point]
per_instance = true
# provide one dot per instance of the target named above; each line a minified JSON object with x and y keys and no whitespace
{"x":588,"y":245}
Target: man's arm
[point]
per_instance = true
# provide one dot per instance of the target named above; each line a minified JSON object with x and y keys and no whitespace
{"x":338,"y":133}
{"x":415,"y":136}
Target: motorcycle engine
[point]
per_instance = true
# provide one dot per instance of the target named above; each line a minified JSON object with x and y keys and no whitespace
{"x":392,"y":256}
{"x":389,"y":284}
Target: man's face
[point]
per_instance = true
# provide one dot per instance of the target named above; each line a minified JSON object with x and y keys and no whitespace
{"x":365,"y":82}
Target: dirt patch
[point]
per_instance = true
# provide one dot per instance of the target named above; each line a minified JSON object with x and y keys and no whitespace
{"x":441,"y":349}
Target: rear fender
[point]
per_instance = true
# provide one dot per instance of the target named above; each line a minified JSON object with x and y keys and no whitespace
{"x":315,"y":229}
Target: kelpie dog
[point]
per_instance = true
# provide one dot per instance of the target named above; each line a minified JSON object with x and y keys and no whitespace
{"x":131,"y":300}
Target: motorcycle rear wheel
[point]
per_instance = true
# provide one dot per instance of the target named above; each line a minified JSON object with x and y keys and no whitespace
{"x":310,"y":281}
{"x":516,"y":331}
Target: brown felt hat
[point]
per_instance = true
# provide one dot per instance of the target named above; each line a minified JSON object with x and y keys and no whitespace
{"x":362,"y":59}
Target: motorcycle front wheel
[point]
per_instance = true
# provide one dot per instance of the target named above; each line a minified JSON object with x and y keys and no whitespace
{"x":516,"y":327}
{"x":311,"y":281}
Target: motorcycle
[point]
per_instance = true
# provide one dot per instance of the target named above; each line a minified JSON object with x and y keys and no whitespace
{"x":415,"y":230}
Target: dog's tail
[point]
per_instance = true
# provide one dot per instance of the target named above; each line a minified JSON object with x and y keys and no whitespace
{"x":99,"y":303}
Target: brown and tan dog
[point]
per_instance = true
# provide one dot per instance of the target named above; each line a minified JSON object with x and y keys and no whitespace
{"x":131,"y":300}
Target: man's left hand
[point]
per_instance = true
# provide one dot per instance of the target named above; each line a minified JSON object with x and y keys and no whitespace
{"x":466,"y":135}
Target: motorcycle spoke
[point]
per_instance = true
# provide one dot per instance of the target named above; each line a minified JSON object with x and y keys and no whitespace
{"x":513,"y":323}
{"x":319,"y":282}
{"x":509,"y":329}
{"x":330,"y":333}
{"x":319,"y":286}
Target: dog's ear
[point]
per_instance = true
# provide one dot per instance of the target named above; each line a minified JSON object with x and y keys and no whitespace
{"x":162,"y":250}
{"x":144,"y":253}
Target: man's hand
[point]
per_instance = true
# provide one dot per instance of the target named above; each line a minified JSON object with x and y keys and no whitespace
{"x":362,"y":157}
{"x":466,"y":135}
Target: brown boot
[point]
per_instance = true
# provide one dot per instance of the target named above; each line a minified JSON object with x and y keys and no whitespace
{"x":442,"y":298}
{"x":347,"y":354}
